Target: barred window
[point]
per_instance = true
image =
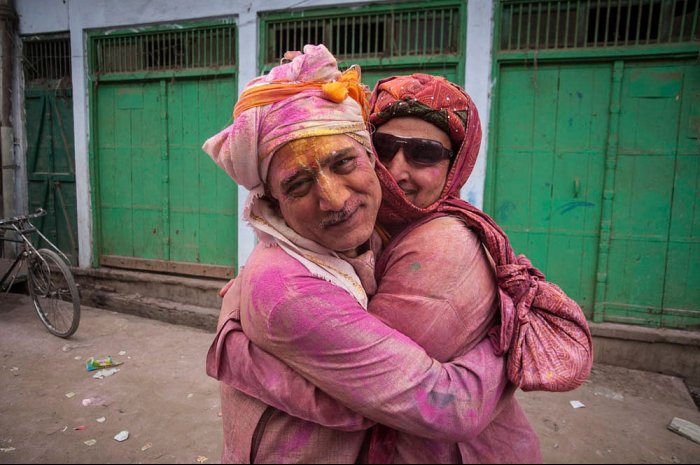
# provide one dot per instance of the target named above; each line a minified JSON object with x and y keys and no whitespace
{"x":205,"y":47}
{"x":46,"y":58}
{"x":563,"y":24}
{"x":395,"y":33}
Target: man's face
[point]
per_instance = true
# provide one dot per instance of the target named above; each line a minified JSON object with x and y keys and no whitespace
{"x":327,"y":190}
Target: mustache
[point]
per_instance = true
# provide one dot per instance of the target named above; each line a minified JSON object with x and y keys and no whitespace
{"x":337,"y":217}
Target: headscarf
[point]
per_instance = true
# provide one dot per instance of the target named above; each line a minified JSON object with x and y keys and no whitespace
{"x":305,"y":97}
{"x":526,"y":299}
{"x":442,"y":103}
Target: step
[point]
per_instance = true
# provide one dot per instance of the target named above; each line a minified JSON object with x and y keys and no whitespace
{"x":174,"y":299}
{"x":201,"y":292}
{"x":157,"y":309}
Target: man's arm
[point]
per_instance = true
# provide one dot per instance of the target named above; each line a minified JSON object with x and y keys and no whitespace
{"x":251,"y":370}
{"x":324,"y":335}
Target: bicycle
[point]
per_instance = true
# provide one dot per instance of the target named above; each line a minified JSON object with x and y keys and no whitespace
{"x":50,"y":281}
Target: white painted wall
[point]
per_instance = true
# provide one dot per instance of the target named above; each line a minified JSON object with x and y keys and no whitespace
{"x":79,"y":16}
{"x":478,"y":86}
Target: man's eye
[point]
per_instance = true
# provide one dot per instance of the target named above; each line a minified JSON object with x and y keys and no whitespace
{"x":299,"y":188}
{"x":345,"y":165}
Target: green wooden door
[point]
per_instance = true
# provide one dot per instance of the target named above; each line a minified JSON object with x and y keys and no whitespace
{"x":549,"y":156}
{"x":654,"y":265}
{"x":164,"y":206}
{"x":51,"y":163}
{"x":556,"y":141}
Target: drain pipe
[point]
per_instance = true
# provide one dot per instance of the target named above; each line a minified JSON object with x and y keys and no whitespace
{"x":8,"y":21}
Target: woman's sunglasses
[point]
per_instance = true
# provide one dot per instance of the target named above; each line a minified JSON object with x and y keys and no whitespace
{"x":419,"y":152}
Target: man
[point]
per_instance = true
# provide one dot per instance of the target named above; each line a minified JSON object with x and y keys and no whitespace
{"x":299,"y":144}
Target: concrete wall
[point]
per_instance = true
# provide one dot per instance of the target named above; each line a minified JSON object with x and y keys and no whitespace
{"x":78,"y":16}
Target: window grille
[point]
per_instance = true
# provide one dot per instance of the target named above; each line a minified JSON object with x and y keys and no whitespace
{"x":206,"y":47}
{"x":392,"y":34}
{"x":566,"y":24}
{"x":46,"y":58}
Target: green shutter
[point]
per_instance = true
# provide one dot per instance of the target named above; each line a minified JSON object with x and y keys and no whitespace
{"x":48,"y":103}
{"x":594,"y":167}
{"x":163,"y":205}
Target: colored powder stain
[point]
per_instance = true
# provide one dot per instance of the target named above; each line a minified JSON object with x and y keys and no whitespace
{"x":437,"y":173}
{"x":326,"y":183}
{"x":415,"y":266}
{"x":298,"y":440}
{"x":439,"y":399}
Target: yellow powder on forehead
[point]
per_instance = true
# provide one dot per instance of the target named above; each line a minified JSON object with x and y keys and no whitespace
{"x":312,"y":151}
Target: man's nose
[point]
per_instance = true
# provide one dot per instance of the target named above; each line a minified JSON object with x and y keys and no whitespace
{"x":333,"y":194}
{"x":399,"y":167}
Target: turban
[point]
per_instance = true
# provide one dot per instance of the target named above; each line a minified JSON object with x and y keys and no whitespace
{"x":305,"y":97}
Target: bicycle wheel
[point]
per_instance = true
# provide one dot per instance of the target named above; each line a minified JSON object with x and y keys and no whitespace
{"x":53,"y":290}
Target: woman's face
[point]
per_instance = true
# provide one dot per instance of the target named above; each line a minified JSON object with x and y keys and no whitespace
{"x":421,"y":180}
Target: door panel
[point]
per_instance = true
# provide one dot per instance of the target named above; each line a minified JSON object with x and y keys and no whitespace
{"x":164,"y":205}
{"x":51,"y":164}
{"x":203,"y":202}
{"x":681,"y":301}
{"x":648,"y":269}
{"x":130,"y":144}
{"x":552,"y":128}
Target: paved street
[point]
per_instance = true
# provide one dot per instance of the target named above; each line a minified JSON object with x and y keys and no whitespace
{"x":162,"y":397}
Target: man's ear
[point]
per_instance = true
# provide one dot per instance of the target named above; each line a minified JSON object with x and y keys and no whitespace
{"x":274,"y":203}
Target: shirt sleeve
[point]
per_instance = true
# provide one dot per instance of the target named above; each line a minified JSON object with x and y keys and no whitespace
{"x":323,"y":334}
{"x":253,"y":371}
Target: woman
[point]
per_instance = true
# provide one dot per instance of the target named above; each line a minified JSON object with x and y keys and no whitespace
{"x":448,"y":276}
{"x":436,"y":284}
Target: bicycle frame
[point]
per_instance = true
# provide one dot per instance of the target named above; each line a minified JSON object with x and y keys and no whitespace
{"x":23,"y":227}
{"x":10,"y":272}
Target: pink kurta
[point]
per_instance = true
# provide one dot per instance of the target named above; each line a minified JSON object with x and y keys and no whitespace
{"x":323,"y":334}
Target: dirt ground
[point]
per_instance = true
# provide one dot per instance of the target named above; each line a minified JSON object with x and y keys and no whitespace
{"x":170,"y":408}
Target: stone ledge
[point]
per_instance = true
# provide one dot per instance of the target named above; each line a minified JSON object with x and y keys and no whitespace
{"x":644,"y":334}
{"x":157,"y":309}
{"x":156,"y":278}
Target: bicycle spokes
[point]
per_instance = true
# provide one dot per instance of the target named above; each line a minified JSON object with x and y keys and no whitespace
{"x":54,"y":292}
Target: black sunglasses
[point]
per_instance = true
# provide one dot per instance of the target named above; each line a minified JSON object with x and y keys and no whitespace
{"x":419,"y":152}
